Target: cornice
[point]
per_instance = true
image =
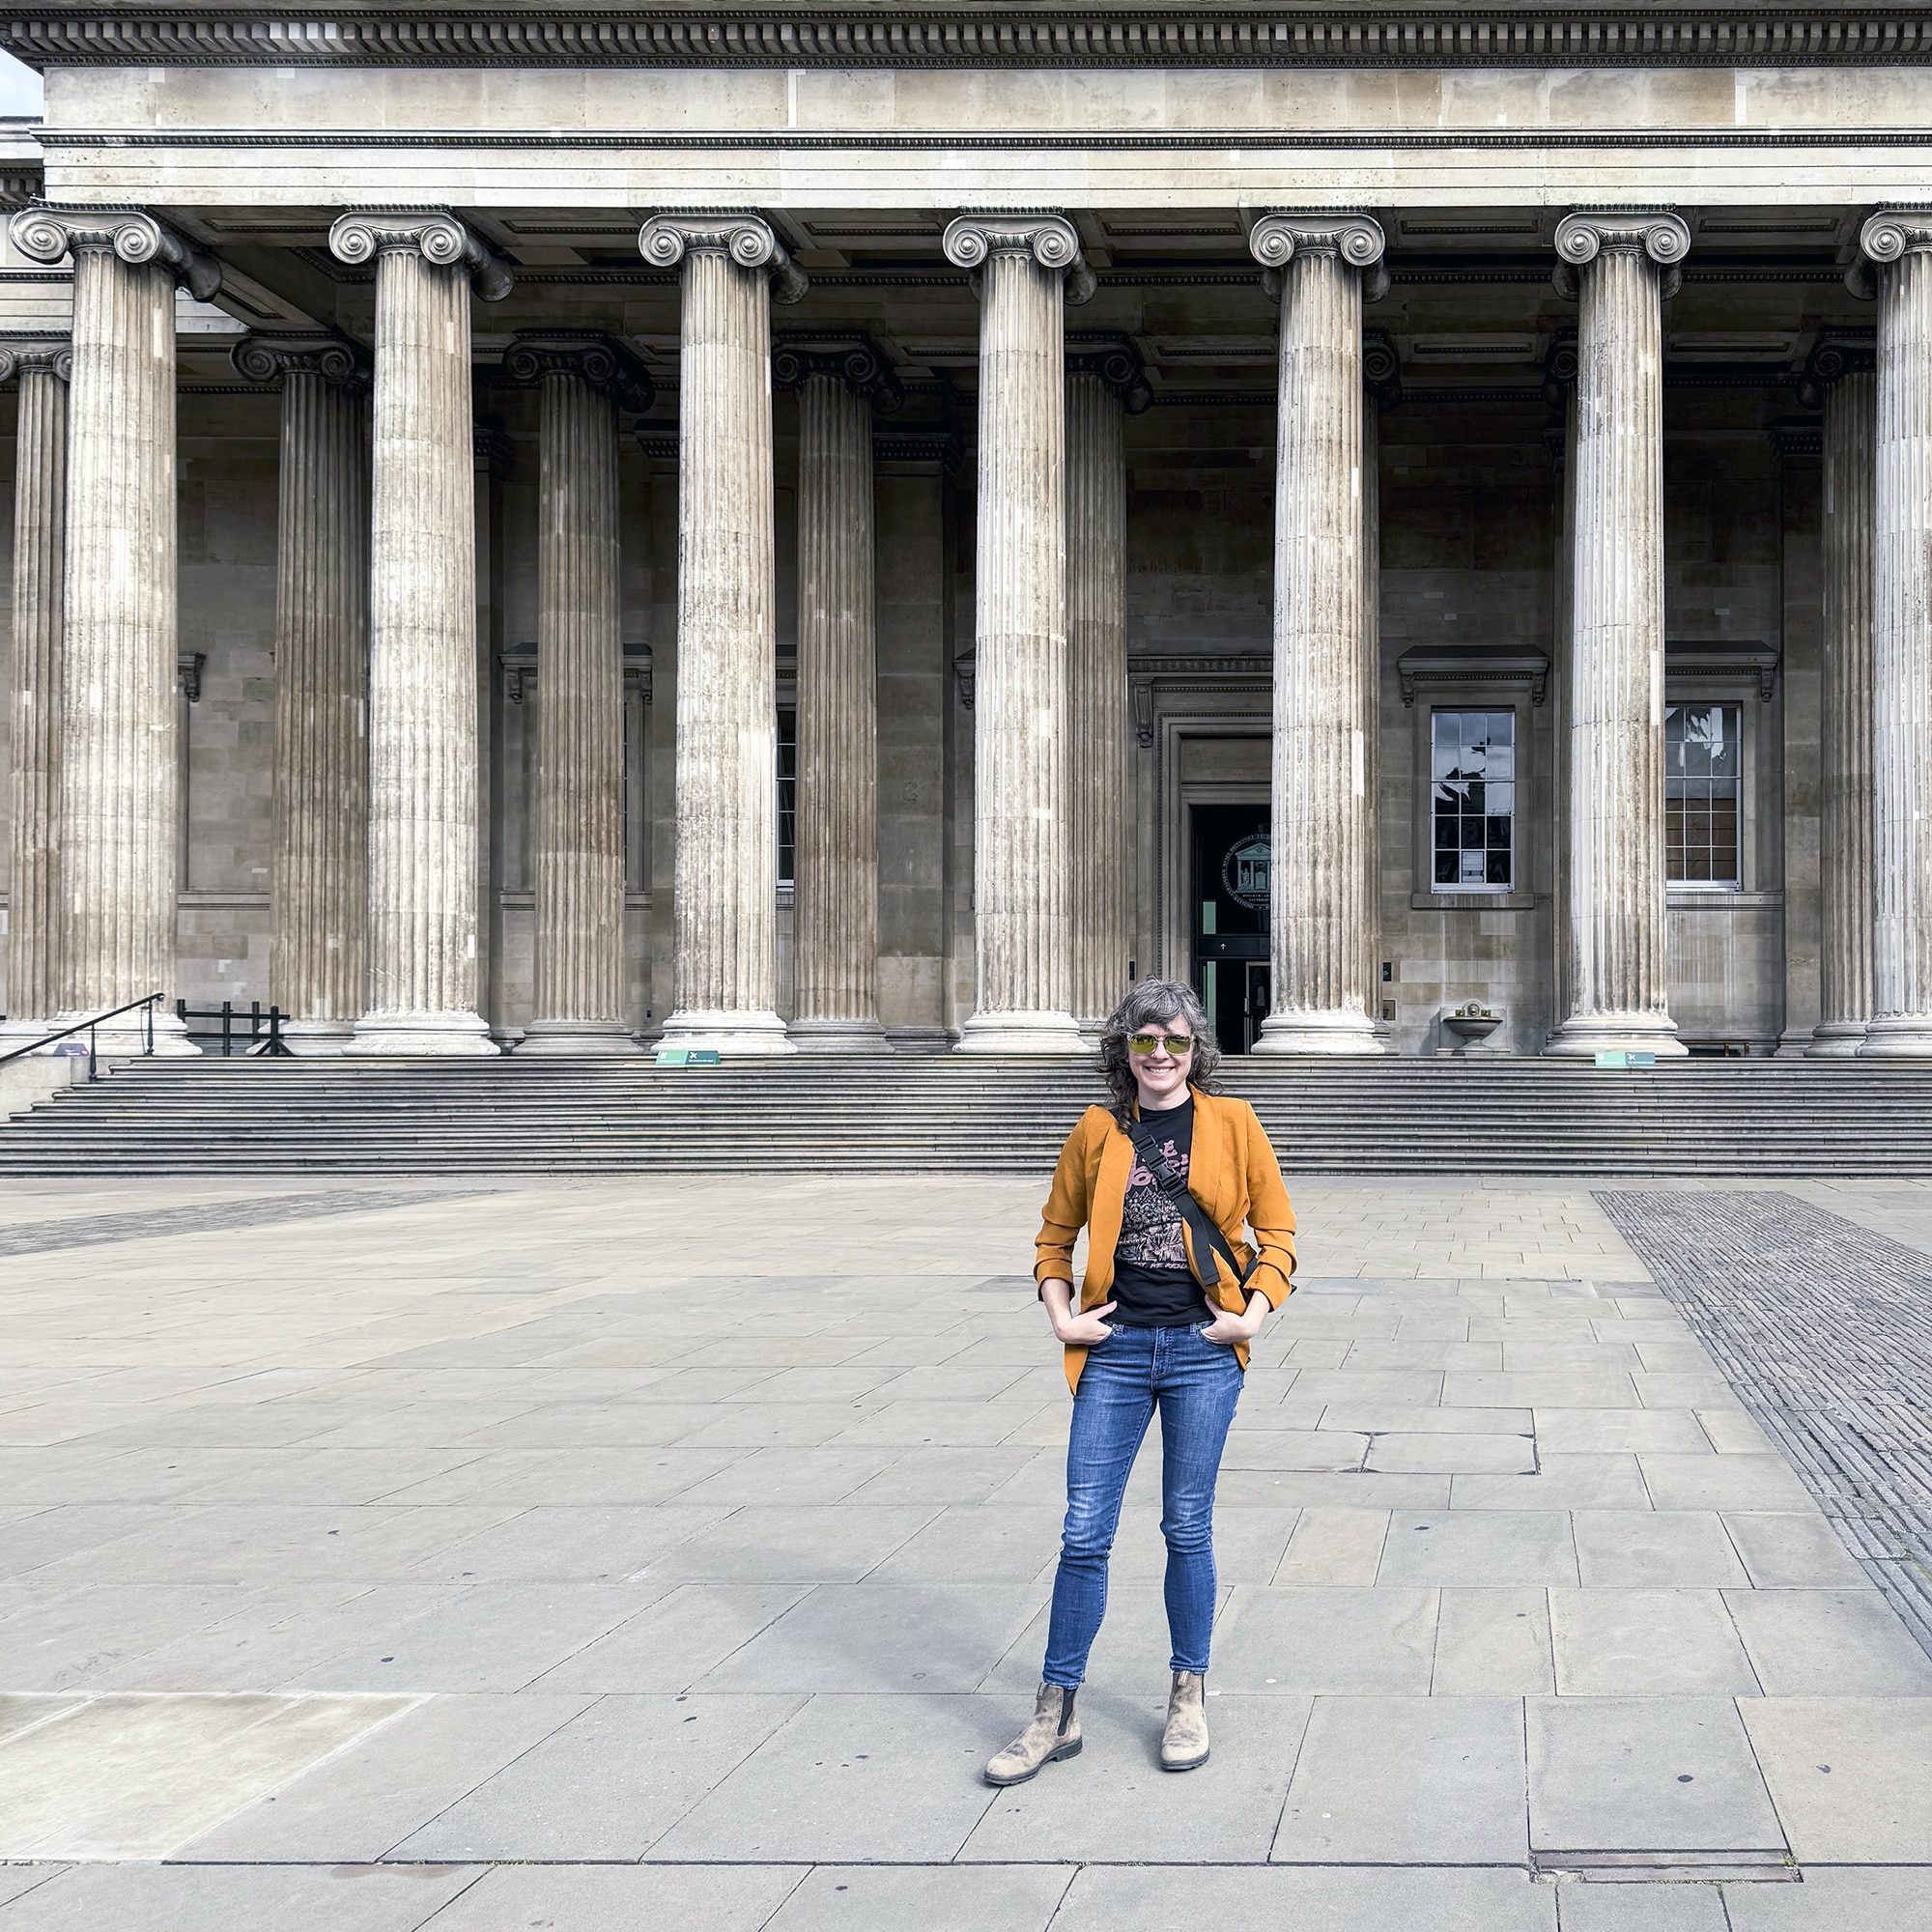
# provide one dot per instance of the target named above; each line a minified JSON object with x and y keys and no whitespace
{"x":982,"y":36}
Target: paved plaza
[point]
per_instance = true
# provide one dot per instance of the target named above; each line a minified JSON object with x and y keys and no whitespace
{"x":674,"y":1553}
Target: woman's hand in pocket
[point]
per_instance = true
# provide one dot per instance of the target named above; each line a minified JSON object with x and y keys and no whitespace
{"x":1077,"y":1331}
{"x":1226,"y":1329}
{"x":1085,"y":1331}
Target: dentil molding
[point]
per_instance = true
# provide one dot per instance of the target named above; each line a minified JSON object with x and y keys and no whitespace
{"x":1010,"y":35}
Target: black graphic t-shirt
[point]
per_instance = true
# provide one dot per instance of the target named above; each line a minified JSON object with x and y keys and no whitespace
{"x":1153,"y":1286}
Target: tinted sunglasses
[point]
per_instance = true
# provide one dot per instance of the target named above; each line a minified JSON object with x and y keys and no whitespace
{"x":1177,"y":1044}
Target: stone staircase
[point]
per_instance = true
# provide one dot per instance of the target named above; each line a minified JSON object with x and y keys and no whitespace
{"x":957,"y":1114}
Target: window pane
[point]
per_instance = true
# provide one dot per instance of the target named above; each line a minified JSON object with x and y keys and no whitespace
{"x":1472,"y":763}
{"x":1703,"y":792}
{"x":787,"y":784}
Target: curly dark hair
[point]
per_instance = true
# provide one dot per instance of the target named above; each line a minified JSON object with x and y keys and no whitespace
{"x":1152,"y":1006}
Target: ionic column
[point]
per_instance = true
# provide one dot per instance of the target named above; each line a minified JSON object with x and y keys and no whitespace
{"x":34,"y":913}
{"x":1021,"y":797}
{"x":423,"y":633}
{"x":1844,"y":373}
{"x":1105,"y":382}
{"x":580,"y":826}
{"x":1622,"y":266}
{"x":319,"y":876}
{"x":1318,"y":876}
{"x":1900,"y":245}
{"x":118,"y":776}
{"x":836,"y":896}
{"x":725,"y":942}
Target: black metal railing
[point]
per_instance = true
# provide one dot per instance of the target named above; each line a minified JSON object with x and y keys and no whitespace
{"x":256,"y":1030}
{"x":146,"y":1004}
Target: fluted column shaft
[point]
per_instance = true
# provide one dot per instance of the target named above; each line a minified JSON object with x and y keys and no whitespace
{"x":1369,"y":930}
{"x":579,"y":832}
{"x":119,"y":783}
{"x":1021,"y":850}
{"x":1901,"y":1021}
{"x":726,"y":933}
{"x":1097,"y":642}
{"x":1615,"y":917}
{"x":319,"y":876}
{"x":1319,"y":875}
{"x":34,"y":909}
{"x":423,"y":643}
{"x":835,"y":920}
{"x":1845,"y":829}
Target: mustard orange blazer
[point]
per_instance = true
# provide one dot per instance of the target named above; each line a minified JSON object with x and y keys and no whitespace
{"x":1232,"y":1172}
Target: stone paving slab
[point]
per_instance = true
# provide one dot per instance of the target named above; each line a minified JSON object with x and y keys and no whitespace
{"x":747,"y":1589}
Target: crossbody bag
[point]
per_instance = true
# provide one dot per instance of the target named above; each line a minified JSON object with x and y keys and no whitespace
{"x":1208,"y":1240}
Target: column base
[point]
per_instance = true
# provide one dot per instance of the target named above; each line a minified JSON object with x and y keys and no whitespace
{"x":1898,"y":1036}
{"x":1023,"y":1033}
{"x":1835,"y":1039}
{"x":837,"y":1036}
{"x":1310,"y":1033}
{"x":416,"y":1036}
{"x":1583,"y":1036}
{"x":732,"y":1033}
{"x":318,"y":1039}
{"x":603,"y":1039}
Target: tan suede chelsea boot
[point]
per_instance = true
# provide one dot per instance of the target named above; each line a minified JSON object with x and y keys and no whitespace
{"x":1055,"y":1732}
{"x":1184,"y":1743}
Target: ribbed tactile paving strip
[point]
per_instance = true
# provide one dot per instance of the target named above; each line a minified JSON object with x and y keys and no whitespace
{"x":1825,"y":1331}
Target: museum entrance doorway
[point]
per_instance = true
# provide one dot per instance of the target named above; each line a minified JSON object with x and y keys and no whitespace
{"x":1228,"y":893}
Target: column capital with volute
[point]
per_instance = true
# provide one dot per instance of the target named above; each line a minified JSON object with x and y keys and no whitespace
{"x":1114,"y":362}
{"x":35,"y":355}
{"x":855,"y":360}
{"x":594,"y":358}
{"x":44,"y":233}
{"x":1837,"y":353}
{"x":1585,"y":233}
{"x":1048,"y":237}
{"x":271,"y":359}
{"x":361,"y":234}
{"x":1279,"y":235}
{"x":668,"y":236}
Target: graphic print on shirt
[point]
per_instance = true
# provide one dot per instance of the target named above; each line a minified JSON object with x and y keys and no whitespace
{"x":1150,"y":1236}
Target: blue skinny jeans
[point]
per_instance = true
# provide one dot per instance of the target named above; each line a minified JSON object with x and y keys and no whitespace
{"x":1195,"y":1384}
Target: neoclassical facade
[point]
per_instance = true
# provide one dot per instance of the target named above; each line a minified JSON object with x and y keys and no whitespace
{"x":564,"y":532}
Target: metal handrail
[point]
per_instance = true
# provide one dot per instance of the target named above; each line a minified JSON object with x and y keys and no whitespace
{"x":87,"y":1026}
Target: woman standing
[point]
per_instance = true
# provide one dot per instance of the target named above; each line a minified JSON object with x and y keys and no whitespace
{"x":1164,"y":1182}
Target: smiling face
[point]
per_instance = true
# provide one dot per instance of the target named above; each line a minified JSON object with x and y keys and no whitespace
{"x":1162,"y":1054}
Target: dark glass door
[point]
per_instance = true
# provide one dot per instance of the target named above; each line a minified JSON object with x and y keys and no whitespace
{"x":1228,"y":888}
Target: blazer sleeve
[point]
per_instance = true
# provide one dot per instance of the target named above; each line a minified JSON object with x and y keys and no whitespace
{"x":1065,"y":1213}
{"x":1270,"y":1217}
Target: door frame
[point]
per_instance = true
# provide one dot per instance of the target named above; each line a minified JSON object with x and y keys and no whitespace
{"x":1173,"y":886}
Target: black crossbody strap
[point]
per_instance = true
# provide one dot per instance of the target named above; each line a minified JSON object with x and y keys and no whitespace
{"x":1208,"y":1240}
